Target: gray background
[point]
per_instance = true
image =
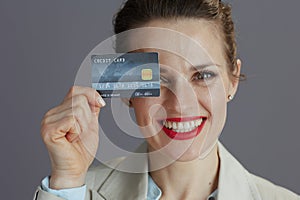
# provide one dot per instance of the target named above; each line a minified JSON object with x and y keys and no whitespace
{"x":42,"y":44}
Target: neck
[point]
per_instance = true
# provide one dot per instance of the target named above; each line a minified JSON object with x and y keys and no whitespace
{"x":195,"y":179}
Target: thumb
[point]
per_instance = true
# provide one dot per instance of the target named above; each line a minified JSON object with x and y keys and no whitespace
{"x":101,"y":103}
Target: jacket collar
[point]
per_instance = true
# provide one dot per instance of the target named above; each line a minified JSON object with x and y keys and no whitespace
{"x":128,"y":185}
{"x":234,"y":180}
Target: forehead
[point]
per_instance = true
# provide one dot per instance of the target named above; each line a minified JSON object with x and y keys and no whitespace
{"x":192,"y":39}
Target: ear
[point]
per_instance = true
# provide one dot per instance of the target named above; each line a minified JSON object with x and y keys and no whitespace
{"x":234,"y":82}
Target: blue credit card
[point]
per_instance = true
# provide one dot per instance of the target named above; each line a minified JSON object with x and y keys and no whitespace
{"x":126,"y":75}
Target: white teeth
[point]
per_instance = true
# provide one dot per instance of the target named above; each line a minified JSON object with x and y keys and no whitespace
{"x":174,"y":125}
{"x":186,"y":125}
{"x":182,"y":127}
{"x":182,"y":130}
{"x":170,"y":125}
{"x":198,"y":122}
{"x":192,"y":123}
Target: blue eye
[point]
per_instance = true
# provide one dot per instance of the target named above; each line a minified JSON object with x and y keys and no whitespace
{"x":205,"y":75}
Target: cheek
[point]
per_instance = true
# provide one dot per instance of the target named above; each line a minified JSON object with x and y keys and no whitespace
{"x":147,"y":113}
{"x":212,"y":98}
{"x":217,"y":94}
{"x":215,"y":104}
{"x":218,"y":106}
{"x":141,"y":109}
{"x":146,"y":109}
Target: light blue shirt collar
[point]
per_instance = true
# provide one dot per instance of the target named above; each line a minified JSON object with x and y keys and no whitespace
{"x":154,"y":192}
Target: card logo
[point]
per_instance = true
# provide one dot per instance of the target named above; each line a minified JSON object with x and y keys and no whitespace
{"x":147,"y":74}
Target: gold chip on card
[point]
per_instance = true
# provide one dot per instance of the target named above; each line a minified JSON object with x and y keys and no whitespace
{"x":147,"y":74}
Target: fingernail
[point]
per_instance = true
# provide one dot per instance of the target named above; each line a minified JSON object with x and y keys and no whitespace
{"x":101,"y":101}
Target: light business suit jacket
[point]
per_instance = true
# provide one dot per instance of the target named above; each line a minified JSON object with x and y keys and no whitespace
{"x":235,"y":183}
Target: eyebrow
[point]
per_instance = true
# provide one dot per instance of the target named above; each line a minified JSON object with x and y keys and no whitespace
{"x":194,"y":68}
{"x":199,"y":67}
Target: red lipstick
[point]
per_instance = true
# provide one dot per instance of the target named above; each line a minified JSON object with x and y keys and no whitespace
{"x":186,"y":135}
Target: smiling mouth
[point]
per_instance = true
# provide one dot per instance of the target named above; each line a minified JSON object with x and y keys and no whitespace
{"x":183,"y":128}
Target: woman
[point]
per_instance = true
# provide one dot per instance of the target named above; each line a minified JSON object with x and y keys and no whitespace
{"x":183,"y":128}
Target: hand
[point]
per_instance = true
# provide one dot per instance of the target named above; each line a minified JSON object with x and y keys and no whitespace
{"x":70,"y":132}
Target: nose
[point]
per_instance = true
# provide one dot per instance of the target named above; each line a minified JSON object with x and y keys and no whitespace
{"x":181,"y":98}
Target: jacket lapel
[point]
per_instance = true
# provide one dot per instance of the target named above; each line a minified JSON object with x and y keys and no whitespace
{"x":234,"y":180}
{"x":121,"y":184}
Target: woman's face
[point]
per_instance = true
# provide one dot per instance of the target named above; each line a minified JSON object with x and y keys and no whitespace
{"x":188,"y":117}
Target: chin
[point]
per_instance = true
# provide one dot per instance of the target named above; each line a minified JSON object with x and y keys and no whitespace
{"x":179,"y":151}
{"x":188,"y":155}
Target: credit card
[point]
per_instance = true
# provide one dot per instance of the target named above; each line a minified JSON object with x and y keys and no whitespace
{"x":126,"y":75}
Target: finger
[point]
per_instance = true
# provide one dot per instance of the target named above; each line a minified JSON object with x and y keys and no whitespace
{"x":73,"y":102}
{"x":67,"y":128}
{"x":74,"y":133}
{"x":82,"y":113}
{"x":95,"y":109}
{"x":91,"y":94}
